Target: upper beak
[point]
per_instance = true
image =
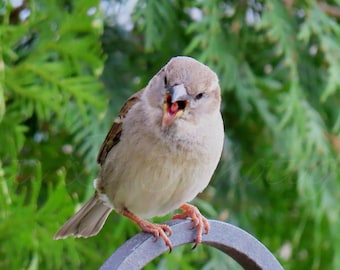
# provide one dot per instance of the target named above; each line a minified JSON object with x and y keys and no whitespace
{"x":175,"y":102}
{"x":178,"y":93}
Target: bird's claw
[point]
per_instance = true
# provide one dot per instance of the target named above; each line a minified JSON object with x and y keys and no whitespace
{"x":158,"y":231}
{"x":198,"y":220}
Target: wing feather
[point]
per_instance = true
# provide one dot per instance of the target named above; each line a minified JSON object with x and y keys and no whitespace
{"x":113,"y":136}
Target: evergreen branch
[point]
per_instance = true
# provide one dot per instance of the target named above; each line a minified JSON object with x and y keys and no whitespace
{"x":330,"y":10}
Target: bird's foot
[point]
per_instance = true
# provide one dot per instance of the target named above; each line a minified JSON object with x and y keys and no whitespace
{"x":198,"y":220}
{"x":157,"y":230}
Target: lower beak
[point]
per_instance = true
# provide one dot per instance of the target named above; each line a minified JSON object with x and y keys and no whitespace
{"x":175,"y":102}
{"x":169,"y":118}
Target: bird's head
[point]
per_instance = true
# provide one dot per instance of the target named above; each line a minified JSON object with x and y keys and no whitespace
{"x":184,"y":89}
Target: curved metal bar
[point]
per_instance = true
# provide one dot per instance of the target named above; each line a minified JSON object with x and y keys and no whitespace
{"x":237,"y":243}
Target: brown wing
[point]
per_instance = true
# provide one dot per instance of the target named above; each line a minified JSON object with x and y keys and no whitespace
{"x":113,"y":136}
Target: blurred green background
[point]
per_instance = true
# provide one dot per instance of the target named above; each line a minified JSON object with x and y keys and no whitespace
{"x":67,"y":66}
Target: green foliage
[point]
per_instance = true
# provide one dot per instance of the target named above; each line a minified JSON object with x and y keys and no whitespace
{"x":49,"y":65}
{"x":26,"y":225}
{"x":278,"y":64}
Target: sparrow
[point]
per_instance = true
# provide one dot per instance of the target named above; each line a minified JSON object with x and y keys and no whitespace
{"x":160,"y":152}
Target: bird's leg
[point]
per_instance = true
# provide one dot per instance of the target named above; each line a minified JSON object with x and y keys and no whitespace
{"x":158,"y":230}
{"x":198,"y":220}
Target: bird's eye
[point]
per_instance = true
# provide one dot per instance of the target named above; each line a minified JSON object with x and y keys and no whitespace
{"x":165,"y":81}
{"x":199,"y":96}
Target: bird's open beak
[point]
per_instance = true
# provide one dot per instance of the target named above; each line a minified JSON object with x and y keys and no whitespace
{"x":175,"y":102}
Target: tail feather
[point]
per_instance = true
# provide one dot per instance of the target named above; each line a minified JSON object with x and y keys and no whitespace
{"x":87,"y":222}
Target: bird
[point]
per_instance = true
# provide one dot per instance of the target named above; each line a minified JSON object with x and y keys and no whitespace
{"x":160,"y":153}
